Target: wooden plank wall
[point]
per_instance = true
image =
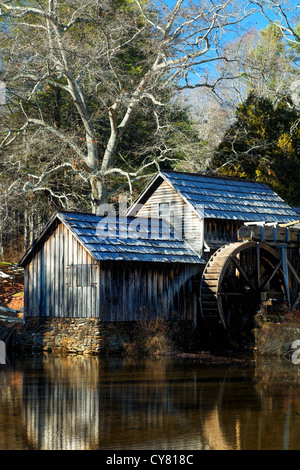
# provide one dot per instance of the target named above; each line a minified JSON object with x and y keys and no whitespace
{"x":46,"y":290}
{"x":111,"y":291}
{"x":221,"y":230}
{"x":142,"y":291}
{"x":193,"y":225}
{"x":215,"y":232}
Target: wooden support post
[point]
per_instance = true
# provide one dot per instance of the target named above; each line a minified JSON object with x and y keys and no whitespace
{"x":258,"y":266}
{"x":286,"y":274}
{"x":201,"y":237}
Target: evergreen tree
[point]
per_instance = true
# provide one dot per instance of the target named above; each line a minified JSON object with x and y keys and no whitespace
{"x":263,"y":145}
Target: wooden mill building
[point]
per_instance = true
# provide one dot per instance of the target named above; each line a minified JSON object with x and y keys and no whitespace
{"x":152,"y":261}
{"x":114,"y":269}
{"x":207,"y":211}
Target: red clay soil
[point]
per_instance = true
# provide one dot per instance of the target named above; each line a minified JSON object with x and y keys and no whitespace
{"x":12,"y":287}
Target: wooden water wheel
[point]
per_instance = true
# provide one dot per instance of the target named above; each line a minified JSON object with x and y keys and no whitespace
{"x":232,"y":285}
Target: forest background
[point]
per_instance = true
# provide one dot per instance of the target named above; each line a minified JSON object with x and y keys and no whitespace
{"x":97,"y":96}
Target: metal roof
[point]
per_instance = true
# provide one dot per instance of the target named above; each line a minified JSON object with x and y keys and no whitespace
{"x":297,"y":210}
{"x":231,"y":199}
{"x":128,"y":238}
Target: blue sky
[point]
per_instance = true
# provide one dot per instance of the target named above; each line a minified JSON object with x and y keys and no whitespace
{"x":258,"y":20}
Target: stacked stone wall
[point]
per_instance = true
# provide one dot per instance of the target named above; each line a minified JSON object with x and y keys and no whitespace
{"x":69,"y":336}
{"x":88,"y":336}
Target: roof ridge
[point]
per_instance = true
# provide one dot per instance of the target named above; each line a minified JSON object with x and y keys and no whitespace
{"x":208,"y":175}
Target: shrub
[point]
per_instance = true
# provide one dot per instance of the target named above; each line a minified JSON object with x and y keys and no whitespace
{"x":276,"y":334}
{"x":149,"y":338}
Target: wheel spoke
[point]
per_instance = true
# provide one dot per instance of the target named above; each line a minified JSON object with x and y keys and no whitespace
{"x":240,"y":269}
{"x":272,"y":275}
{"x":232,"y":282}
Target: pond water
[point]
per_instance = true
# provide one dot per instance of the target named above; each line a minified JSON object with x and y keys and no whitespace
{"x":62,"y":403}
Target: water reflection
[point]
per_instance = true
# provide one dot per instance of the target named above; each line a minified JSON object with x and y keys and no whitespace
{"x":87,"y":403}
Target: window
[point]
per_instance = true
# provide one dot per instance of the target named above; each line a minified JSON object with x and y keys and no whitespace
{"x":81,"y":275}
{"x":164,"y":210}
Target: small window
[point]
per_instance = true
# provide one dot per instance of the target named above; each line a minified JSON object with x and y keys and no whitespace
{"x":81,"y":275}
{"x":167,"y":211}
{"x":164,"y":210}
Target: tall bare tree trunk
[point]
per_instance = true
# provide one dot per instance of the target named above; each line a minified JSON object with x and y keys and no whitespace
{"x":99,"y":193}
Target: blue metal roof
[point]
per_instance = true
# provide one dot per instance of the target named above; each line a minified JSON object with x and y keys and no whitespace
{"x":297,"y":210}
{"x":128,"y":238}
{"x":225,"y":198}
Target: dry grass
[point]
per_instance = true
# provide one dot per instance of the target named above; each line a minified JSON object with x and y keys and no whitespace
{"x":149,"y":339}
{"x":275,"y":335}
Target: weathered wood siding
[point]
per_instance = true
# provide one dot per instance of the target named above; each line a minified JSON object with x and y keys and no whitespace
{"x":48,"y":289}
{"x":186,"y":221}
{"x":219,"y":232}
{"x":63,"y":280}
{"x":214,"y":232}
{"x":138,"y":290}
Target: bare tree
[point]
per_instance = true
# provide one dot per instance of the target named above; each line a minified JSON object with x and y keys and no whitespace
{"x":78,"y":47}
{"x":285,"y":14}
{"x":262,"y":62}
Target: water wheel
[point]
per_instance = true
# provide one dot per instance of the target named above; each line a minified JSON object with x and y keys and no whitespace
{"x":232,"y":285}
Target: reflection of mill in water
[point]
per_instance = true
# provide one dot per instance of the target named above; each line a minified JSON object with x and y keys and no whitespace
{"x":88,"y":404}
{"x":61,"y":406}
{"x":117,"y":408}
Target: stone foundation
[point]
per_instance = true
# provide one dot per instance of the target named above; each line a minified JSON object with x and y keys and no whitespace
{"x":86,"y":336}
{"x":70,"y":336}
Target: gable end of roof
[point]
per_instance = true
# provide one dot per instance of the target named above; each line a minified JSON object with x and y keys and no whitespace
{"x":120,"y":239}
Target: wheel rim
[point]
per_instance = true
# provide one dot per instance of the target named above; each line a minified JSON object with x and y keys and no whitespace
{"x":232,"y":283}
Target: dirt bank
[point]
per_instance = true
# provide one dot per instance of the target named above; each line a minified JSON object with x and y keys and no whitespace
{"x":11,"y":287}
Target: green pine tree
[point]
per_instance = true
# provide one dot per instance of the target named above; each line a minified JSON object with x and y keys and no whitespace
{"x":263,"y":145}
